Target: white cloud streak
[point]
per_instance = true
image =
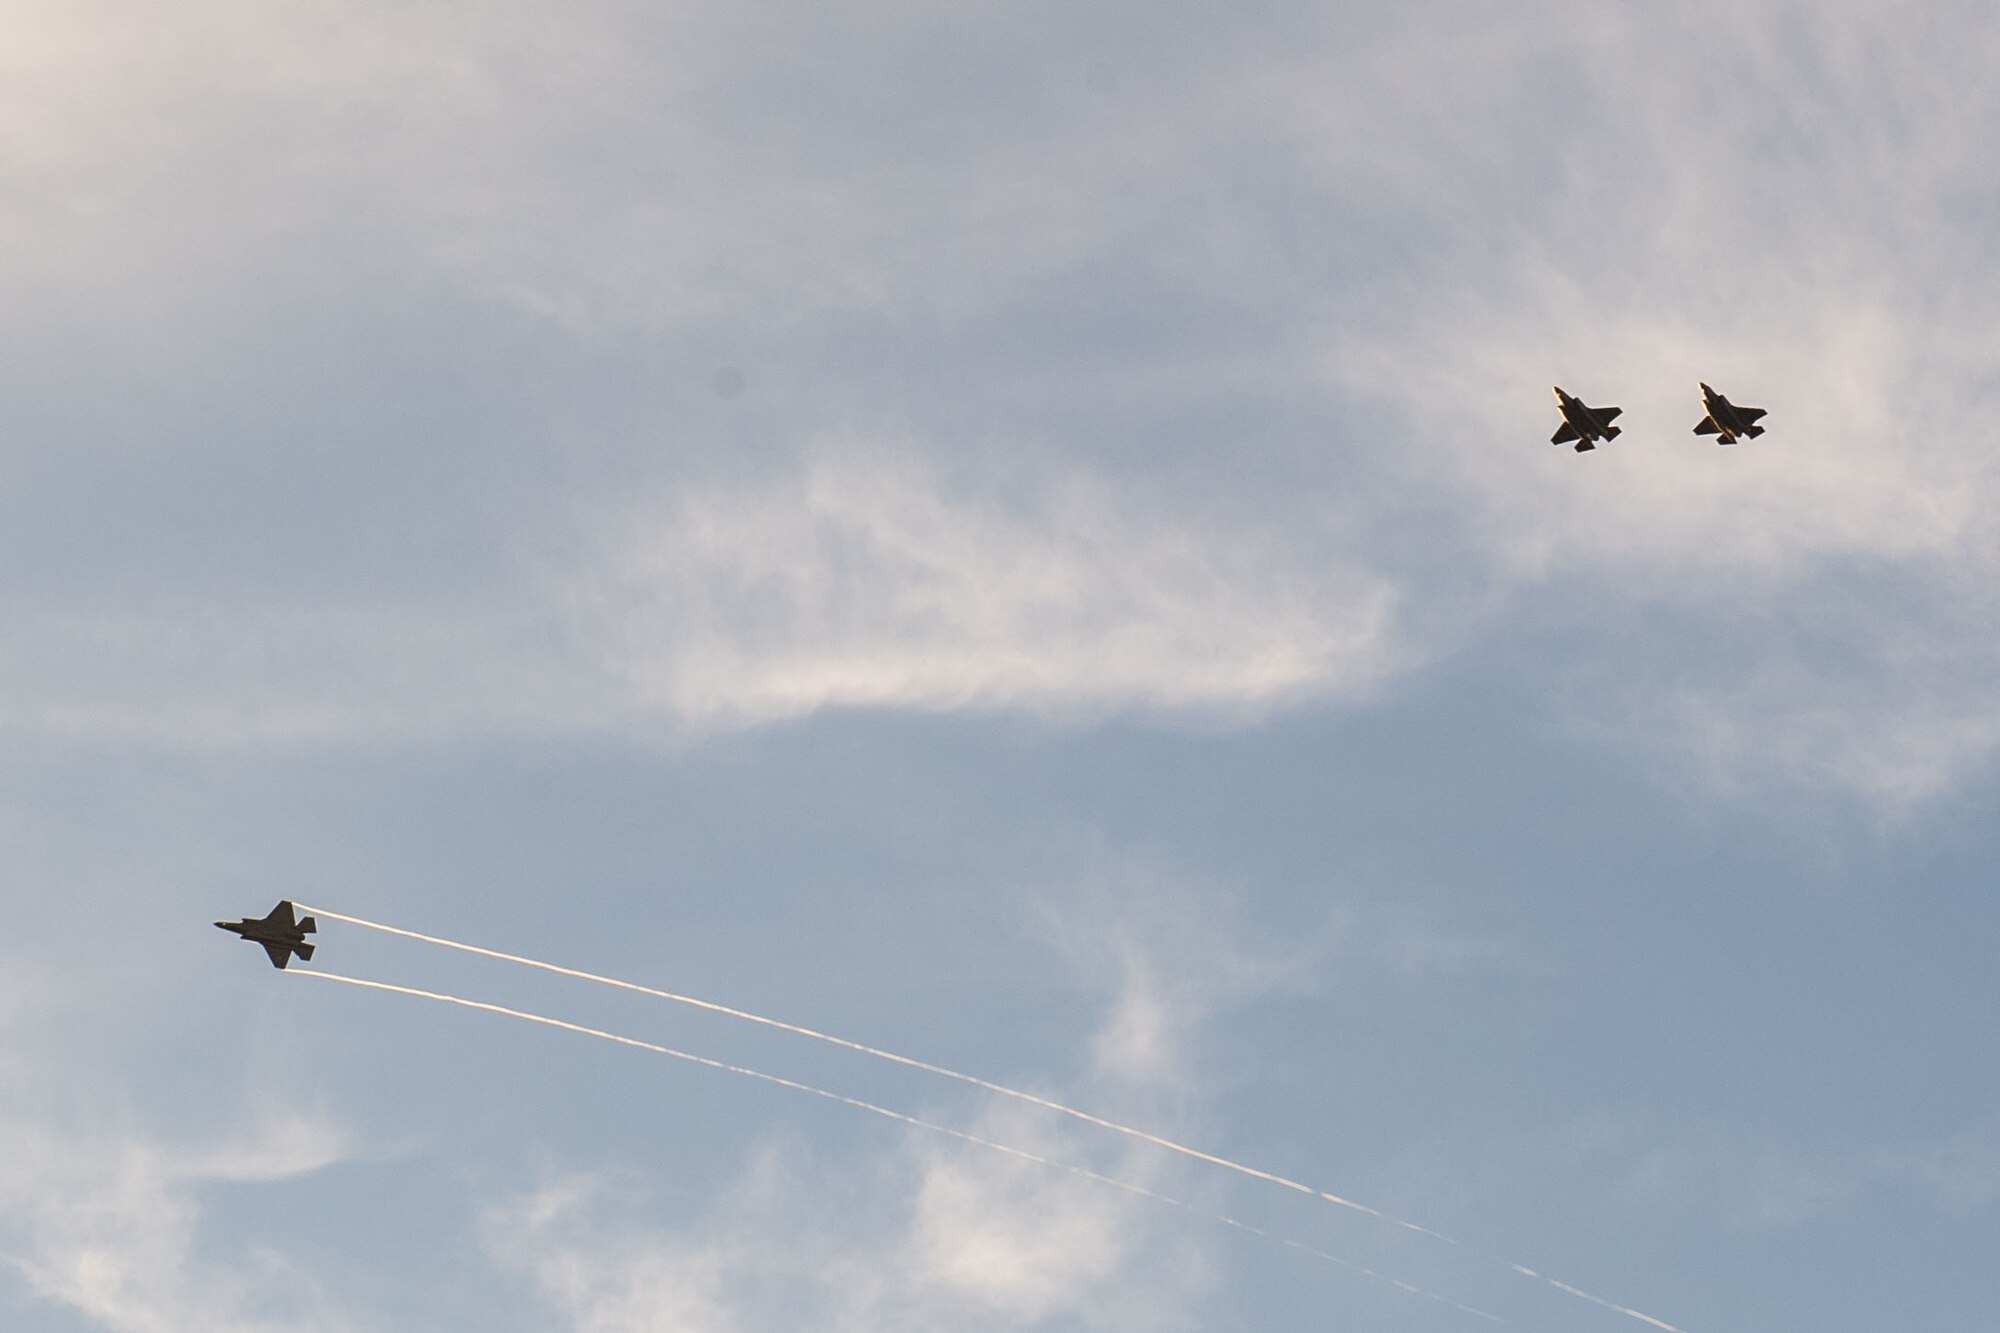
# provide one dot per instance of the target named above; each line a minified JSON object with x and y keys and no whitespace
{"x":866,"y":582}
{"x":107,"y":1225}
{"x":857,"y":585}
{"x":994,"y":1238}
{"x":1001,"y":1235}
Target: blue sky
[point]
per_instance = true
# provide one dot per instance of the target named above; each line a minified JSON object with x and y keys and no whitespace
{"x":1023,"y":536}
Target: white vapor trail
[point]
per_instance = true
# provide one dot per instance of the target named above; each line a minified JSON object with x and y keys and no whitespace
{"x":1021,"y":1154}
{"x":999,"y":1089}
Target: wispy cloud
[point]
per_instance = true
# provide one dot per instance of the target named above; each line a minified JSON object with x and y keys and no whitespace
{"x":869,"y":581}
{"x":853,"y":582}
{"x":969,"y":1240}
{"x":1751,"y":221}
{"x":932,"y":1231}
{"x":1162,"y":955}
{"x":1179,"y":369}
{"x":108,"y":1225}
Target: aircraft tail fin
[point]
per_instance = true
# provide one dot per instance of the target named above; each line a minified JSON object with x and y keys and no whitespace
{"x":304,"y":951}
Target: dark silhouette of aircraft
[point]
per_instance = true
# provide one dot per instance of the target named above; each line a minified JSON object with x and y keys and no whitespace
{"x":1726,"y":419}
{"x":281,"y":933}
{"x":1585,"y":425}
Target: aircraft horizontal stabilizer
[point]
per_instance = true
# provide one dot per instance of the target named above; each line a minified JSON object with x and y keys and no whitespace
{"x":308,"y":925}
{"x":1611,"y":432}
{"x":1584,"y":446}
{"x":304,"y":951}
{"x":1753,"y":431}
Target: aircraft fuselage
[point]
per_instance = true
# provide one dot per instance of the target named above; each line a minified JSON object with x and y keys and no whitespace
{"x":1584,"y":424}
{"x":1726,"y":421}
{"x":281,"y":933}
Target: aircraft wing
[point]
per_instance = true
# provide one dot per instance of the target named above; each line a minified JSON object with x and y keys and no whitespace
{"x":1749,"y":414}
{"x":1563,"y":435}
{"x":1606,"y":415}
{"x":1707,"y":426}
{"x":280,"y":954}
{"x":281,"y":915}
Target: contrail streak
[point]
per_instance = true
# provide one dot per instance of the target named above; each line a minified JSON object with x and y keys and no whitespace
{"x":1000,"y":1089}
{"x":881,"y":1054}
{"x":1597,"y":1300}
{"x":1021,"y":1154}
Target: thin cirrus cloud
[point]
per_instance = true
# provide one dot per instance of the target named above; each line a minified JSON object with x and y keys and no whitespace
{"x":971,"y":1241}
{"x":867,"y":583}
{"x":855,"y":584}
{"x":109,"y":1225}
{"x":926,"y":1232}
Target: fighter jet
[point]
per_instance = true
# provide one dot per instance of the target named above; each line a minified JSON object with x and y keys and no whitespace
{"x":1585,"y":425}
{"x":281,"y":933}
{"x":1726,"y":419}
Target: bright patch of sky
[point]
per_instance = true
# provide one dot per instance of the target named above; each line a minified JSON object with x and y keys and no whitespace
{"x":1023,"y":536}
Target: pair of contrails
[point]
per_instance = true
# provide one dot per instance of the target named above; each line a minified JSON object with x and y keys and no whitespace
{"x":282,"y":934}
{"x":1590,"y":425}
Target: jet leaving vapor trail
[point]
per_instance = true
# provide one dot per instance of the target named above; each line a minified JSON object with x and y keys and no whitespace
{"x":1000,"y":1089}
{"x":1021,"y":1154}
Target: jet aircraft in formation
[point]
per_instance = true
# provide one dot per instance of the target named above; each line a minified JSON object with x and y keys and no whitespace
{"x":282,"y":933}
{"x":1589,"y":425}
{"x":1585,"y":425}
{"x":1726,"y":419}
